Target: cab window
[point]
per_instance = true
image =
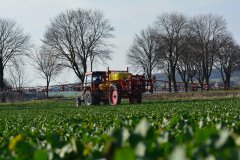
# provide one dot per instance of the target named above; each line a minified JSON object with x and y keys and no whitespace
{"x":97,"y":77}
{"x":88,"y":79}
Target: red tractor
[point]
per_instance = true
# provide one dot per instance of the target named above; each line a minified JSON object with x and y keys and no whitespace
{"x":109,"y":87}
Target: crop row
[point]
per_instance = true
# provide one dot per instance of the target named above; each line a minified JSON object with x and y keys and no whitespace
{"x":160,"y":130}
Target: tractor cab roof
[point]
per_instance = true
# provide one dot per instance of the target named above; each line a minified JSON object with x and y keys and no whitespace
{"x":96,"y":73}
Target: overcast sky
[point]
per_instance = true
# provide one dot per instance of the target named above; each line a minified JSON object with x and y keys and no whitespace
{"x":127,"y":16}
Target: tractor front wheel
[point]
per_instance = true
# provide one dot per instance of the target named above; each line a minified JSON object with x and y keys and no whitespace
{"x":90,"y":99}
{"x":114,"y":96}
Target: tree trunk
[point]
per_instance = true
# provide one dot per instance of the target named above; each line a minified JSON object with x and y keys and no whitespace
{"x":170,"y":86}
{"x":207,"y":82}
{"x":149,"y":75}
{"x":169,"y":83}
{"x":84,"y":70}
{"x":47,"y":88}
{"x":173,"y":77}
{"x":186,"y":86}
{"x":191,"y":79}
{"x":91,"y":65}
{"x":227,"y":82}
{"x":200,"y":81}
{"x":2,"y":85}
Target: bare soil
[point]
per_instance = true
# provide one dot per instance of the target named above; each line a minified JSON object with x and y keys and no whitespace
{"x":212,"y":94}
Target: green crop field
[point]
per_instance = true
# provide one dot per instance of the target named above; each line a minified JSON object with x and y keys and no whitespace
{"x":193,"y":129}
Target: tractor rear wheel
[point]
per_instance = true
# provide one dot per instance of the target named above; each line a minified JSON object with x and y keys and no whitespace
{"x":132,"y":100}
{"x":135,"y":99}
{"x":114,"y":96}
{"x":139,"y":99}
{"x":90,"y":99}
{"x":105,"y":102}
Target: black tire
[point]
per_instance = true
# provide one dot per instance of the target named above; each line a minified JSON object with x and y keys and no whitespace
{"x":97,"y":101}
{"x":114,"y":96}
{"x":135,"y":99}
{"x":139,"y":99}
{"x":105,"y":102}
{"x":88,"y":99}
{"x":91,"y":99}
{"x":132,"y":100}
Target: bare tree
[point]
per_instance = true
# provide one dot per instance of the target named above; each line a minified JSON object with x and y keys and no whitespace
{"x":228,"y":59}
{"x":186,"y":67}
{"x":171,"y":28}
{"x":206,"y":31}
{"x":187,"y":62}
{"x":46,"y":63}
{"x":79,"y":36}
{"x":143,"y":54}
{"x":17,"y":74}
{"x":165,"y":68}
{"x":13,"y":42}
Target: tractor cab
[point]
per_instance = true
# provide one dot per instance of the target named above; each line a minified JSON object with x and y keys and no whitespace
{"x":92,"y":78}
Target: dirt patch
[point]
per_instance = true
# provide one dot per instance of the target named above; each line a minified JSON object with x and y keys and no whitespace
{"x":194,"y":95}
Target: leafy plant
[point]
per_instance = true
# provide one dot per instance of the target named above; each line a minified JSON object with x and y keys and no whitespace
{"x":202,"y":129}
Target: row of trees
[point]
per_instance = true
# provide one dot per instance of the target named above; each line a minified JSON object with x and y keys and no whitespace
{"x":74,"y":39}
{"x":77,"y":39}
{"x":191,"y":47}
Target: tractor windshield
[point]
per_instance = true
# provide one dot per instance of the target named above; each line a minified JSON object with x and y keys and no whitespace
{"x":94,"y":78}
{"x":88,"y":79}
{"x":97,"y":78}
